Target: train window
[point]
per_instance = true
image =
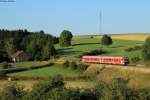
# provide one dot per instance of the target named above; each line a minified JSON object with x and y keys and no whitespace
{"x":87,"y":59}
{"x":109,"y":59}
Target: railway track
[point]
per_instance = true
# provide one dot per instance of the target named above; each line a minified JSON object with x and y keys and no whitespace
{"x":132,"y":67}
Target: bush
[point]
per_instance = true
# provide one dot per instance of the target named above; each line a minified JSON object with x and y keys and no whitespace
{"x":135,"y":59}
{"x":116,"y":89}
{"x":133,"y":48}
{"x":66,"y":64}
{"x":91,"y":37}
{"x":94,"y":52}
{"x":19,"y":69}
{"x":57,"y":81}
{"x":146,"y":52}
{"x":72,"y":94}
{"x":129,"y":49}
{"x":4,"y":65}
{"x":82,"y":66}
{"x":12,"y":91}
{"x":73,"y":65}
{"x":144,"y":94}
{"x":46,"y":90}
{"x":3,"y":56}
{"x":106,"y":40}
{"x":2,"y":74}
{"x":56,"y":40}
{"x":138,"y":47}
{"x":39,"y":91}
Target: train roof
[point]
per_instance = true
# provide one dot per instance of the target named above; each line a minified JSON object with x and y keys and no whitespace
{"x":101,"y":57}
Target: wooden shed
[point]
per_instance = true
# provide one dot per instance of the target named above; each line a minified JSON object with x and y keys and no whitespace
{"x":19,"y":56}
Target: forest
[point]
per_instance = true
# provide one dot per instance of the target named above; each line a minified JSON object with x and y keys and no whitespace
{"x":30,"y":42}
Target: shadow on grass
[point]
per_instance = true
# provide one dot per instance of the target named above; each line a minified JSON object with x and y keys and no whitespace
{"x":84,"y":44}
{"x":62,"y":49}
{"x":117,"y":46}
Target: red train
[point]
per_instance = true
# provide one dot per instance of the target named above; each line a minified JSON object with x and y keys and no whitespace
{"x":105,"y":60}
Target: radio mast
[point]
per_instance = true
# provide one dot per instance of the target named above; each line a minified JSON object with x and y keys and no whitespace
{"x":100,"y":23}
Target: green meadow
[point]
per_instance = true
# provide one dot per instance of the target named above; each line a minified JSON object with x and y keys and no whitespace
{"x":48,"y":72}
{"x":80,"y":45}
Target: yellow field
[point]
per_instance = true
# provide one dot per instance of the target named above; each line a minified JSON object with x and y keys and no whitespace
{"x":136,"y":37}
{"x":139,"y":37}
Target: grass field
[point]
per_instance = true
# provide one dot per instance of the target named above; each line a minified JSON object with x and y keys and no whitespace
{"x":87,"y":44}
{"x":31,"y":63}
{"x":48,"y":72}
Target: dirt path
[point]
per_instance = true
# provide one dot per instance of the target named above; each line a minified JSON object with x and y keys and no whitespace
{"x":79,"y":84}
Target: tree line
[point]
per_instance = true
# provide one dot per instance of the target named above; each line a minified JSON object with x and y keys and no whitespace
{"x":37,"y":44}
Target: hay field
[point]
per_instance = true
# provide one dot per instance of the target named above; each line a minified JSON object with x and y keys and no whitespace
{"x":138,"y":78}
{"x":138,"y":37}
{"x":134,"y":37}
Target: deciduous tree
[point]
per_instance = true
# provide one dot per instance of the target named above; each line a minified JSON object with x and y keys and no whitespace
{"x":146,"y":52}
{"x":65,"y":38}
{"x":106,"y":40}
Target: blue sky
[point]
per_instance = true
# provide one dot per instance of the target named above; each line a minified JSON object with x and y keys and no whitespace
{"x":78,"y":16}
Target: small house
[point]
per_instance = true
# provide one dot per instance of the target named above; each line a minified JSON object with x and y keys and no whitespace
{"x":19,"y":56}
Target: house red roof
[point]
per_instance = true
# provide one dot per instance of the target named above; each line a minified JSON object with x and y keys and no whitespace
{"x":18,"y":54}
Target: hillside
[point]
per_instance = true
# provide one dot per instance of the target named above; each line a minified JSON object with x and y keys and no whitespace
{"x":138,"y":77}
{"x":81,"y":44}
